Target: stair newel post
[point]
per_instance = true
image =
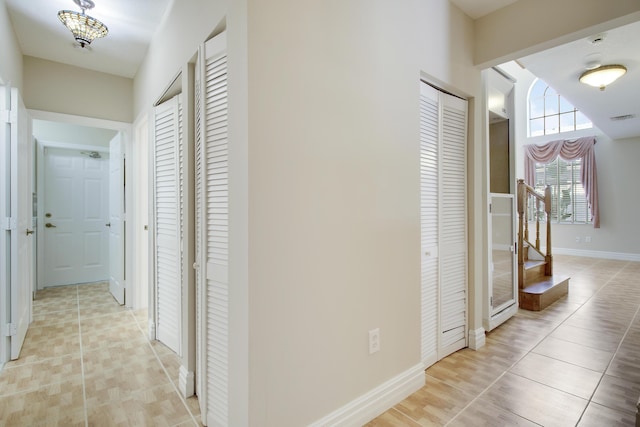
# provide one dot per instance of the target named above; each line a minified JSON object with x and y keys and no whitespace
{"x":547,"y":209}
{"x":522,"y":207}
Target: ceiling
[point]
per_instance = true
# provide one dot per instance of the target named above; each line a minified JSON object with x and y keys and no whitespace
{"x":562,"y":66}
{"x":479,"y":8}
{"x":132,"y":24}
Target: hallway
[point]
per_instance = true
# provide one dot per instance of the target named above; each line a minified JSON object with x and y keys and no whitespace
{"x":86,"y":361}
{"x":575,"y":363}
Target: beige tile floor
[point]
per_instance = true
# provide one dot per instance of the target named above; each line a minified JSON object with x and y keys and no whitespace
{"x":86,"y":361}
{"x":575,"y":364}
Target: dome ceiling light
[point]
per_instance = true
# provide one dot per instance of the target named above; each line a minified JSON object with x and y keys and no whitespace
{"x":603,"y":75}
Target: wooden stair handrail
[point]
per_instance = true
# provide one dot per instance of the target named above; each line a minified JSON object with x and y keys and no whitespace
{"x":525,"y":191}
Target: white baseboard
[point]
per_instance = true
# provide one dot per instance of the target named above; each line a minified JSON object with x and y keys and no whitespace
{"x":476,"y":338}
{"x":375,"y":402}
{"x":152,"y":330}
{"x":186,"y":382}
{"x":620,"y":256}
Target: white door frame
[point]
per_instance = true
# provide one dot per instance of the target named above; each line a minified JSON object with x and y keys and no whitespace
{"x":123,"y":127}
{"x":139,"y":218}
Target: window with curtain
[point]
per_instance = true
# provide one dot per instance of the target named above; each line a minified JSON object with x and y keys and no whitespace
{"x":569,"y":202}
{"x":550,"y":113}
{"x":569,"y":167}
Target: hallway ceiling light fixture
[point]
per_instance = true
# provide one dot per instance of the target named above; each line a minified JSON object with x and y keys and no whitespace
{"x":603,"y":75}
{"x":85,"y":28}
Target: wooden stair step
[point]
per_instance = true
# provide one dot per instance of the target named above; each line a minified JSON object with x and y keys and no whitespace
{"x":533,"y":263}
{"x":544,"y":292}
{"x":534,"y":271}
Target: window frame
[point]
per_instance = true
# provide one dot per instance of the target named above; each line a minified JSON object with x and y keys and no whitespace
{"x":577,"y":195}
{"x":550,"y":114}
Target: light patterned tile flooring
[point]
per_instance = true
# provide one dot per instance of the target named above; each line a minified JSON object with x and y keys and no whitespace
{"x":577,"y":363}
{"x":86,"y":361}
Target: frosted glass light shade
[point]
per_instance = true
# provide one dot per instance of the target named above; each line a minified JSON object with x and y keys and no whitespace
{"x":602,"y":76}
{"x":84,"y":28}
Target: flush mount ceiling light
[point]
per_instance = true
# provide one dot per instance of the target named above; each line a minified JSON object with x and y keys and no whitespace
{"x":85,"y":28}
{"x":603,"y":75}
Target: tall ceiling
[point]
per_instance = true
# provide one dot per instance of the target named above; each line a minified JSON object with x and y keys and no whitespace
{"x":132,"y":24}
{"x":562,"y":66}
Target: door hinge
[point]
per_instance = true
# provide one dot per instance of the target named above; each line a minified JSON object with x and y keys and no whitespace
{"x":489,"y":207}
{"x":491,"y":301}
{"x":12,"y":329}
{"x":10,"y":224}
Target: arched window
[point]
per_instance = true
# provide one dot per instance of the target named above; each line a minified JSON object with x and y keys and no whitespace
{"x":550,"y":113}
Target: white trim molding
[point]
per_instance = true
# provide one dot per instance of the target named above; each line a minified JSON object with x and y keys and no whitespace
{"x":152,"y":330}
{"x":620,"y":256}
{"x":375,"y":402}
{"x":476,"y":338}
{"x":186,"y":382}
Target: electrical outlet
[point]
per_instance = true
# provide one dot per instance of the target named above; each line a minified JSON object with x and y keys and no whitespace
{"x":587,"y":239}
{"x":374,"y":340}
{"x":577,"y":239}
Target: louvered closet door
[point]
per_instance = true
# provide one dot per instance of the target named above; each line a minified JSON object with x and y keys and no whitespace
{"x":212,"y":225}
{"x":443,"y":223}
{"x":429,"y":160}
{"x":453,"y":225}
{"x":199,"y":200}
{"x":167,"y":224}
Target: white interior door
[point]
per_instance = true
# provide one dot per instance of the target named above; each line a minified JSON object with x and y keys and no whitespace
{"x":212,"y":231}
{"x":17,"y":240}
{"x":443,"y":130}
{"x":167,"y":253}
{"x":429,"y":220}
{"x":453,"y":225}
{"x":76,"y":239}
{"x":141,"y":211}
{"x":116,"y":219}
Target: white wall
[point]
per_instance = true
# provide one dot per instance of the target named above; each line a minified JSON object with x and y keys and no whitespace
{"x":72,"y":134}
{"x":618,"y":175}
{"x":528,"y":26}
{"x":10,"y":53}
{"x":187,"y":24}
{"x":60,"y":88}
{"x":324,"y":148}
{"x":334,"y":193}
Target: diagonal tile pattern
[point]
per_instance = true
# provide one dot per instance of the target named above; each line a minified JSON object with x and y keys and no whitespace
{"x":577,"y":363}
{"x":86,"y":361}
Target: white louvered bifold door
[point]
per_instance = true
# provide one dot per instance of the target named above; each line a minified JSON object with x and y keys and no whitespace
{"x":443,"y":223}
{"x":167,"y":209}
{"x":212,"y":199}
{"x":200,"y":379}
{"x":453,"y":226}
{"x":429,"y":149}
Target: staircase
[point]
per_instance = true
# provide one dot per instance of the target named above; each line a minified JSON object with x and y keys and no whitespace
{"x":537,"y":286}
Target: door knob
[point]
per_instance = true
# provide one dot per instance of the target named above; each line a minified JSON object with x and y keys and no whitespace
{"x":29,"y":232}
{"x":49,"y":225}
{"x":108,"y":224}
